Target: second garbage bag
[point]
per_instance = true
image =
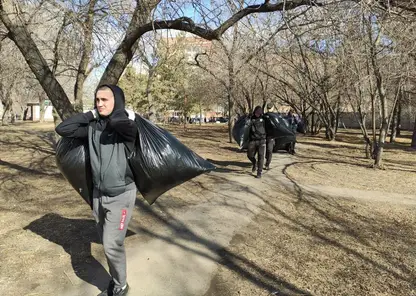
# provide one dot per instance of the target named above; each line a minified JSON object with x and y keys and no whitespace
{"x":73,"y":160}
{"x":241,"y":132}
{"x":160,"y":161}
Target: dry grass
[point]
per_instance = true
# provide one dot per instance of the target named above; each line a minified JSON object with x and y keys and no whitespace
{"x":342,"y":163}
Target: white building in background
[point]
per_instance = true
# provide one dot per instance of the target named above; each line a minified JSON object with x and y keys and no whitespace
{"x":32,"y":111}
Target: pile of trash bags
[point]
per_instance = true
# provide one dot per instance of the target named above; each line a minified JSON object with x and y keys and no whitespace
{"x":276,"y":127}
{"x":159,"y":162}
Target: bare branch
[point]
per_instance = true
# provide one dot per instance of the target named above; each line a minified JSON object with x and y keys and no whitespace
{"x":124,"y":53}
{"x":186,"y":24}
{"x":198,"y":64}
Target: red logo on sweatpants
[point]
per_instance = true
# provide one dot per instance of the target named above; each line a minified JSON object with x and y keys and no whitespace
{"x":123,"y":219}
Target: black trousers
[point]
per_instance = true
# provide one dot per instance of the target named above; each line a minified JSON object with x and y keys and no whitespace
{"x":269,"y":151}
{"x":259,"y":148}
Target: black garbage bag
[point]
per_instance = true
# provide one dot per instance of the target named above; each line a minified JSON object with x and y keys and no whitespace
{"x":301,"y":127}
{"x":73,"y":160}
{"x":161,"y":162}
{"x":241,"y":132}
{"x":276,"y":126}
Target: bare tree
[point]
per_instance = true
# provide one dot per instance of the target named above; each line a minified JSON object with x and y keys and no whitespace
{"x":140,"y":23}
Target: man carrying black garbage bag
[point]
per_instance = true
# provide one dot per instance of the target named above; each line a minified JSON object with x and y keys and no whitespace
{"x":257,"y":140}
{"x":108,"y":129}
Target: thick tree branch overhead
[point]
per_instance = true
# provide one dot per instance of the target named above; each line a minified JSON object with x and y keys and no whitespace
{"x":124,"y":54}
{"x":188,"y":25}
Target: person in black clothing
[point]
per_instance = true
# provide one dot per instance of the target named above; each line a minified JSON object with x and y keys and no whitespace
{"x":293,"y":121}
{"x":257,"y":141}
{"x":109,"y":129}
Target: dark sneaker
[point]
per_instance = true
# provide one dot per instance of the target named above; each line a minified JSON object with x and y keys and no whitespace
{"x":109,"y":290}
{"x":121,"y":292}
{"x":258,"y":176}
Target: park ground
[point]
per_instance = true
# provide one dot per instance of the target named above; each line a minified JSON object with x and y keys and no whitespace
{"x":324,"y":221}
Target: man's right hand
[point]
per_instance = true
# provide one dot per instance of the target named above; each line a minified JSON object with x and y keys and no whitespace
{"x":94,"y":113}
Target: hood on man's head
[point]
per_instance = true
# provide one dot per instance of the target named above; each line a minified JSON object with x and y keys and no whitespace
{"x":119,"y":99}
{"x":258,"y":108}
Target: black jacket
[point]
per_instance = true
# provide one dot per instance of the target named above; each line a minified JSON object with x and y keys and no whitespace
{"x":107,"y":138}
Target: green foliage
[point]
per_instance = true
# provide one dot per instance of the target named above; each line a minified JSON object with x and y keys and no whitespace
{"x":134,"y":86}
{"x":170,"y":81}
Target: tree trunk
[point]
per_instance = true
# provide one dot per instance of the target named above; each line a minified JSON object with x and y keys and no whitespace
{"x":86,"y":52}
{"x":23,"y":40}
{"x":12,"y":116}
{"x":313,"y":123}
{"x":330,"y":133}
{"x":151,"y":109}
{"x":229,"y":117}
{"x":399,"y":118}
{"x":413,"y":145}
{"x":373,"y":118}
{"x":368,"y":147}
{"x":3,"y":117}
{"x":7,"y":103}
{"x":42,"y":108}
{"x":384,"y":118}
{"x":381,"y":141}
{"x":231,"y":82}
{"x":129,"y":44}
{"x":394,"y":123}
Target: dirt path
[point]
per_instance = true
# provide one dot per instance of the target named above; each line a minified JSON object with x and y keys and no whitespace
{"x":182,"y":256}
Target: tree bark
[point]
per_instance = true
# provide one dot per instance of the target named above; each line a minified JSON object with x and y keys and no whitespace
{"x":230,"y":98}
{"x":313,"y":128}
{"x":86,"y":52}
{"x":3,"y":117}
{"x":413,"y":145}
{"x":399,"y":118}
{"x":19,"y":34}
{"x":394,"y":123}
{"x":151,"y":110}
{"x":42,"y":108}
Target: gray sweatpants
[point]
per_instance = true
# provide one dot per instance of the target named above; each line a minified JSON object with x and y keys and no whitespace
{"x":113,"y":215}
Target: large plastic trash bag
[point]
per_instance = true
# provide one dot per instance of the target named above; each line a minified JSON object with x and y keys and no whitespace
{"x":73,"y":160}
{"x":301,"y":128}
{"x":278,"y":128}
{"x":241,"y":132}
{"x":160,"y":161}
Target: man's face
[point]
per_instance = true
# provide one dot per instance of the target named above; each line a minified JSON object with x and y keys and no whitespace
{"x":105,"y":102}
{"x":258,"y":113}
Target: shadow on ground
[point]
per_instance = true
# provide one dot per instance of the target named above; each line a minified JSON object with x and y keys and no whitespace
{"x":75,"y":237}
